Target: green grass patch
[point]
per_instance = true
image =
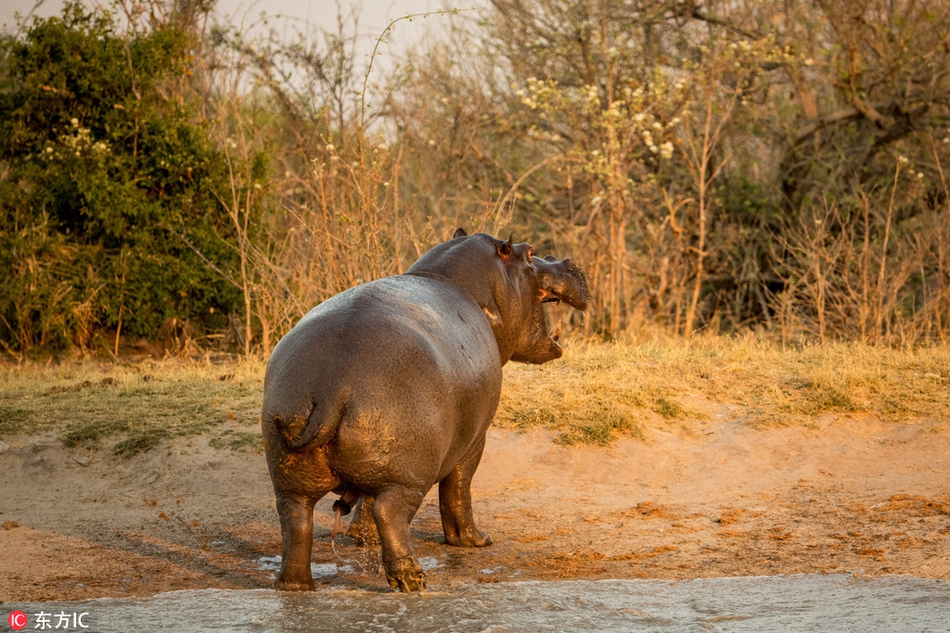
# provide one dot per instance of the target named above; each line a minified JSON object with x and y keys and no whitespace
{"x":139,"y":442}
{"x":668,"y":407}
{"x":241,"y":441}
{"x":14,"y":419}
{"x":601,"y":431}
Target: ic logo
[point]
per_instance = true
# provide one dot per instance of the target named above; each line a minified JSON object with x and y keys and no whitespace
{"x":17,"y":620}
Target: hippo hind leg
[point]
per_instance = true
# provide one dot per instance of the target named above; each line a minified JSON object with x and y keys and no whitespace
{"x":393,"y":509}
{"x":301,"y":479}
{"x":296,"y":527}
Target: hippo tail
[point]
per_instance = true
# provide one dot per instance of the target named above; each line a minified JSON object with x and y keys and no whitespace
{"x":317,"y":426}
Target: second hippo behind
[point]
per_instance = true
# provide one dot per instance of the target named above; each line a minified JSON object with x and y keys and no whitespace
{"x":388,"y":388}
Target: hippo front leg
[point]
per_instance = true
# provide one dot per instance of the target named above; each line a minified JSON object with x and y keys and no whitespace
{"x":455,"y":503}
{"x":296,"y":526}
{"x":393,"y":509}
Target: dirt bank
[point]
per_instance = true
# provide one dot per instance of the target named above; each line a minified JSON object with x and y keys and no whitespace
{"x":723,"y":500}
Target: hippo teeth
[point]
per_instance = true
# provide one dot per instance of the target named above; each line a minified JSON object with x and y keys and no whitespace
{"x":546,"y":296}
{"x":555,"y":334}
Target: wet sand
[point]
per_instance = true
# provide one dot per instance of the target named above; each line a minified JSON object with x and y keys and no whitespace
{"x":722,"y":500}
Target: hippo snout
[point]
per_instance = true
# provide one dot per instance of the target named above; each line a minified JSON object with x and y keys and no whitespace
{"x":563,"y":280}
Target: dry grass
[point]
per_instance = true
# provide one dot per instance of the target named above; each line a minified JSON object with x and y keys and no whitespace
{"x":599,"y":391}
{"x":596,"y":393}
{"x":133,"y":407}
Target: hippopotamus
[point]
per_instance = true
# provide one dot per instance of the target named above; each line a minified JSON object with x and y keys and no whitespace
{"x":389,"y":388}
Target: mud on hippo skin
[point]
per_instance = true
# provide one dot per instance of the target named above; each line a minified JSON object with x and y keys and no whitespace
{"x":388,"y":388}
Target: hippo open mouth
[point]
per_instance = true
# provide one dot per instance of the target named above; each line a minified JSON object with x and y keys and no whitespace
{"x":548,"y":297}
{"x":559,"y":281}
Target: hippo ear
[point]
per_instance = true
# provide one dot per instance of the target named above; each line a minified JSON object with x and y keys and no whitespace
{"x":505,"y":250}
{"x":459,"y":232}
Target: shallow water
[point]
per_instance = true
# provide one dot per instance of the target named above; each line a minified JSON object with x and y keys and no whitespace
{"x":840,"y":603}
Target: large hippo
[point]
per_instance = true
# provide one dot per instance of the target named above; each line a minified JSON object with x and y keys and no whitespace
{"x":389,"y":387}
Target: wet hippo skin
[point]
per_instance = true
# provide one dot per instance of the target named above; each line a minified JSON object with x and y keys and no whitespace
{"x":388,"y":388}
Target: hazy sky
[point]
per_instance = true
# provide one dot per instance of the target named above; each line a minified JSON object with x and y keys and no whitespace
{"x":374,"y":15}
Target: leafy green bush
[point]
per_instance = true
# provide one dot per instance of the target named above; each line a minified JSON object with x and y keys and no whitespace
{"x":110,"y":186}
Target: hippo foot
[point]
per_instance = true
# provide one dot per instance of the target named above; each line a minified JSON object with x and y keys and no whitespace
{"x":295,"y":585}
{"x":468,"y":538}
{"x":406,"y":575}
